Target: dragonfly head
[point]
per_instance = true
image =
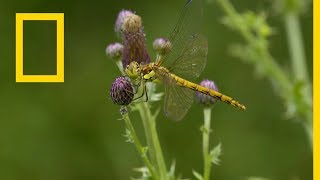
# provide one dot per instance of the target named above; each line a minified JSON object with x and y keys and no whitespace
{"x":133,"y":70}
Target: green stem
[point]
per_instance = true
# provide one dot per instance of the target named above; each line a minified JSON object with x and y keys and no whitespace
{"x":206,"y":143}
{"x":299,"y":67}
{"x":272,"y":67}
{"x":309,"y":130}
{"x":273,"y":71}
{"x":138,"y":145}
{"x":155,"y":151}
{"x":234,"y":16}
{"x":119,"y":65}
{"x":154,"y":148}
{"x":296,"y":46}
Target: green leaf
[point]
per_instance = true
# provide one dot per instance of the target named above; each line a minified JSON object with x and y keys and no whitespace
{"x":156,"y":113}
{"x":197,"y":175}
{"x":128,"y":136}
{"x":171,"y":173}
{"x":172,"y":168}
{"x":152,"y":94}
{"x":215,"y":153}
{"x":145,"y":174}
{"x":134,"y":107}
{"x":203,"y":129}
{"x":145,"y":150}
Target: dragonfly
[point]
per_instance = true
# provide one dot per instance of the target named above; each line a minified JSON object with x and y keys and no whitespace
{"x":182,"y":65}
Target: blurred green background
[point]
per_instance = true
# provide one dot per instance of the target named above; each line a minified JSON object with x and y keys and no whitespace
{"x":69,"y":130}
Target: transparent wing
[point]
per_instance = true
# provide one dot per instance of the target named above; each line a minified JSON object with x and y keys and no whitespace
{"x":187,"y":57}
{"x":190,"y":64}
{"x":177,"y":101}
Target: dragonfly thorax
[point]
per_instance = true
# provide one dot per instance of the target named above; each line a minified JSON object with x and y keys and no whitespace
{"x":137,"y":71}
{"x":147,"y":72}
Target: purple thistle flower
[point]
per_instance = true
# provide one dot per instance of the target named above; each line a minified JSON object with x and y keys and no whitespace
{"x":114,"y":50}
{"x":204,"y":99}
{"x":121,"y":91}
{"x":119,"y":21}
{"x":162,"y":45}
{"x":134,"y":41}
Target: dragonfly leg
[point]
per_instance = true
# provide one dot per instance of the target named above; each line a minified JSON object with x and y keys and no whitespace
{"x":136,"y":84}
{"x":136,"y":88}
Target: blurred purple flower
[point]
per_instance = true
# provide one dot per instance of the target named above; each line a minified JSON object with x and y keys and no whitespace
{"x":119,"y":21}
{"x":162,"y":45}
{"x":204,"y":99}
{"x":114,"y":50}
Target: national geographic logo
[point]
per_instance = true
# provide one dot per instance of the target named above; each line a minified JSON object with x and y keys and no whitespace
{"x":59,"y":18}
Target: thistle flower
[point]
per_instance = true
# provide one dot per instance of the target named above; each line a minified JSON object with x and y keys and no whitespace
{"x":119,"y":21}
{"x":121,"y":91}
{"x":162,"y":46}
{"x":114,"y":50}
{"x":204,"y":99}
{"x":132,"y":23}
{"x":134,"y":41}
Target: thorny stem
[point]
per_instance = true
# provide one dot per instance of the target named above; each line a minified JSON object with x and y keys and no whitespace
{"x":273,"y":70}
{"x":206,"y":143}
{"x":154,"y":148}
{"x":155,"y":151}
{"x":138,"y":145}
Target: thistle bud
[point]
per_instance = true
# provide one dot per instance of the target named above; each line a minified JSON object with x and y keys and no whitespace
{"x":204,"y":99}
{"x":162,"y":46}
{"x":114,"y":50}
{"x":120,"y":19}
{"x":132,"y":23}
{"x":121,"y":91}
{"x":134,"y":41}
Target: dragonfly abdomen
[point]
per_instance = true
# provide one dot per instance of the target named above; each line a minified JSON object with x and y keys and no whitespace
{"x":207,"y":91}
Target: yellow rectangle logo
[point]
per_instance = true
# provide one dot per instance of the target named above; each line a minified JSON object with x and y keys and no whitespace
{"x":59,"y":18}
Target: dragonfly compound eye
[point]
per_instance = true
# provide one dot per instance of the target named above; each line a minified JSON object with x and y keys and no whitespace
{"x":121,"y":91}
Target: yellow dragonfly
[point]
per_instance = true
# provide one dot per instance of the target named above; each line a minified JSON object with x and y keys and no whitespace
{"x":186,"y":60}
